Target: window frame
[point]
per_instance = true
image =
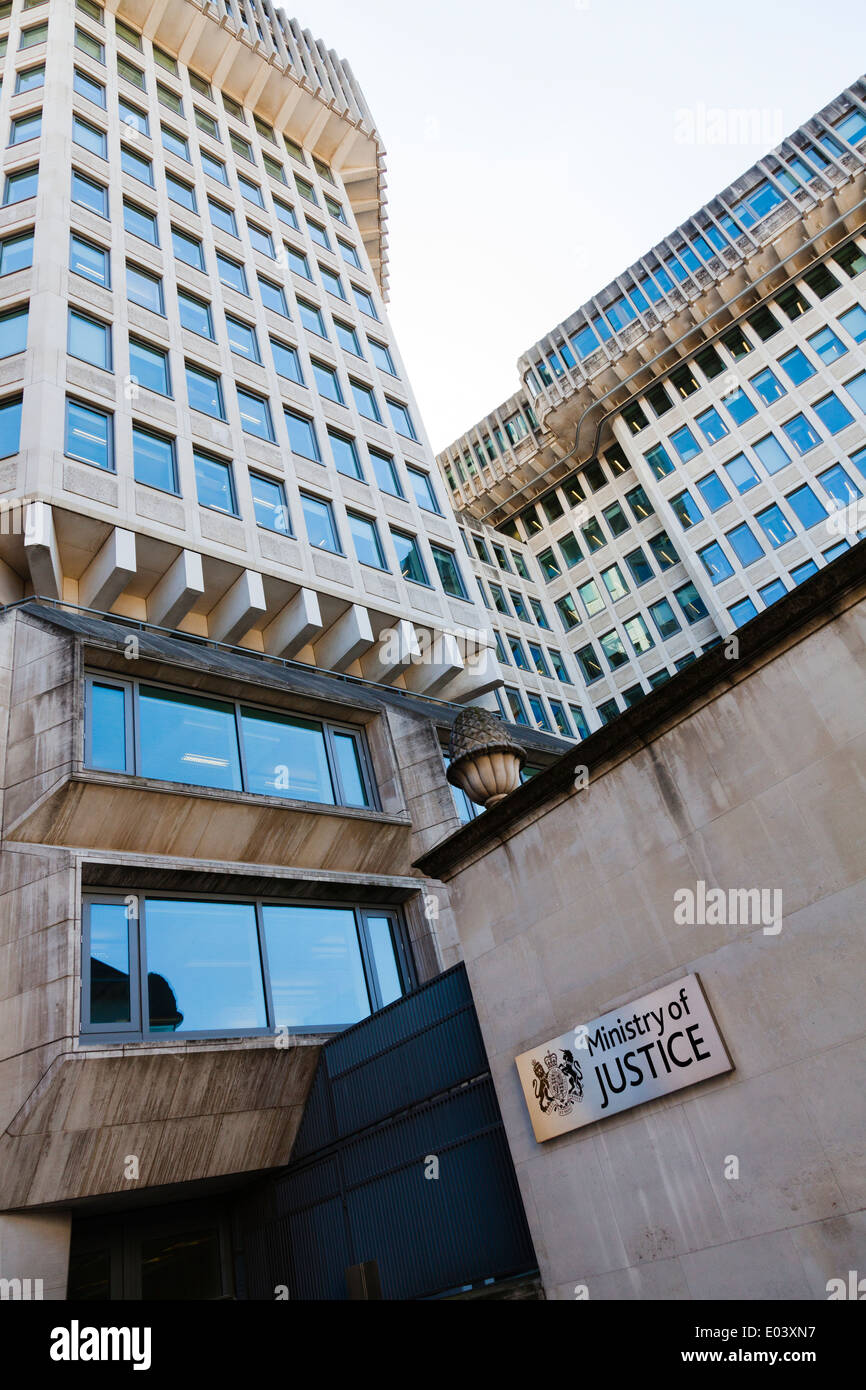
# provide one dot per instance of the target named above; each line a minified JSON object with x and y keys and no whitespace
{"x":139,"y":1031}
{"x":132,"y":716}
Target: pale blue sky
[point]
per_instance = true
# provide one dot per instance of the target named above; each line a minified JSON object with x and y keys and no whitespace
{"x":535,"y":150}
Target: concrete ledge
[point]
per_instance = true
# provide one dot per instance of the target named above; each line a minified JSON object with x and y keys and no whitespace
{"x":185,"y":1114}
{"x":110,"y":812}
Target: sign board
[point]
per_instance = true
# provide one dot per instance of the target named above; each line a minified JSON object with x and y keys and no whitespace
{"x":648,"y":1048}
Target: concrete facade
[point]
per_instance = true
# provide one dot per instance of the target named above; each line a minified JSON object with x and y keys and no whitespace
{"x":741,"y":774}
{"x":682,"y":408}
{"x":197,"y":381}
{"x":195,"y":1112}
{"x":222,"y":299}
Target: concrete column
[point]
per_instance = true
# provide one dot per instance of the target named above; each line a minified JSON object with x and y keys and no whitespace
{"x":296,"y":625}
{"x":11,"y":584}
{"x":441,"y":664}
{"x":42,"y":551}
{"x":481,"y":673}
{"x":34,"y":1254}
{"x":350,"y":636}
{"x":238,"y":608}
{"x":396,"y":648}
{"x":109,"y":571}
{"x":174,"y":595}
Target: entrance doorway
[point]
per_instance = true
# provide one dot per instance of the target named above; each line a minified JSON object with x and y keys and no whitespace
{"x":175,"y":1252}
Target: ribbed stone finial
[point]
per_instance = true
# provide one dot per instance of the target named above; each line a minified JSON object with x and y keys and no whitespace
{"x":485,"y":759}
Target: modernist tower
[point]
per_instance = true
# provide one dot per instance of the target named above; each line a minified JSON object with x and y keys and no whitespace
{"x":202,"y":396}
{"x":236,"y":622}
{"x":684,"y":448}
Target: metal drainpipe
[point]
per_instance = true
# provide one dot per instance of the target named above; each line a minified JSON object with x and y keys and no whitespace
{"x":668,"y":348}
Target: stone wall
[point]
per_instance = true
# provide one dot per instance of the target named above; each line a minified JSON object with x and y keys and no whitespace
{"x":568,"y":911}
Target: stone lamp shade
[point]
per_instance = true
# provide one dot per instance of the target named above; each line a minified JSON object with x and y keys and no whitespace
{"x":485,"y":759}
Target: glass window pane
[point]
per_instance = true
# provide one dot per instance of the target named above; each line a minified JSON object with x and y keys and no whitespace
{"x":806,"y":506}
{"x":153,"y":460}
{"x":89,"y":340}
{"x":448,"y":571}
{"x":314,"y":957}
{"x":286,"y":756}
{"x":320,"y":523}
{"x":366,"y":541}
{"x":214,"y":486}
{"x":771,"y":453}
{"x":386,"y":473}
{"x":741,"y":473}
{"x":140,"y":223}
{"x":181,"y":1265}
{"x":10,"y":427}
{"x":195,"y":315}
{"x":187,"y":739}
{"x":269,"y":502}
{"x":148,"y":367}
{"x":255,"y":415}
{"x":13,"y":332}
{"x":745,"y":544}
{"x":136,"y":165}
{"x":422,"y":487}
{"x":21,"y":185}
{"x":188,"y":249}
{"x":409,"y":558}
{"x":348,"y":758}
{"x":302,"y":436}
{"x":107,"y":728}
{"x":385,"y":958}
{"x":181,"y":192}
{"x":110,"y":996}
{"x":144,"y":289}
{"x":204,"y":392}
{"x":89,"y":194}
{"x":87,"y":86}
{"x":87,"y":260}
{"x":88,"y":435}
{"x":204,"y":969}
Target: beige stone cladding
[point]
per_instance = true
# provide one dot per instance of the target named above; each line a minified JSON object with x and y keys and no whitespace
{"x":737,"y":775}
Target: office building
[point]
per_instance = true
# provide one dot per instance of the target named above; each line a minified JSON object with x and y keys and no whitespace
{"x":684,"y":448}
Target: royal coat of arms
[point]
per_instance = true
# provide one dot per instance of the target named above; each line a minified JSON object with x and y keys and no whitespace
{"x":558,"y":1086}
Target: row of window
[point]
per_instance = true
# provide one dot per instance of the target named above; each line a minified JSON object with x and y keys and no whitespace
{"x":145,"y":289}
{"x":90,"y":340}
{"x":177,"y":143}
{"x":737,"y":343}
{"x":500,"y":604}
{"x":94,"y":48}
{"x":89,"y":193}
{"x":806,"y":507}
{"x":171,"y":736}
{"x":743,"y":610}
{"x":89,"y":437}
{"x":511,"y":649}
{"x":656,"y":286}
{"x":131,"y":37}
{"x":636,"y":629}
{"x":801,"y":434}
{"x":715,"y":495}
{"x":153,"y":964}
{"x":514,"y":428}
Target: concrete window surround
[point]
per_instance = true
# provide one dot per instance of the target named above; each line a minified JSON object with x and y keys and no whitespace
{"x":139,"y":1030}
{"x":135,"y":750}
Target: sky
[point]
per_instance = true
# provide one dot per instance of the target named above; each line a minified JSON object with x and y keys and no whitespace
{"x":535,"y":150}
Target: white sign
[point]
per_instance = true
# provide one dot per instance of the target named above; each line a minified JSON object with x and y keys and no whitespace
{"x":648,"y":1048}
